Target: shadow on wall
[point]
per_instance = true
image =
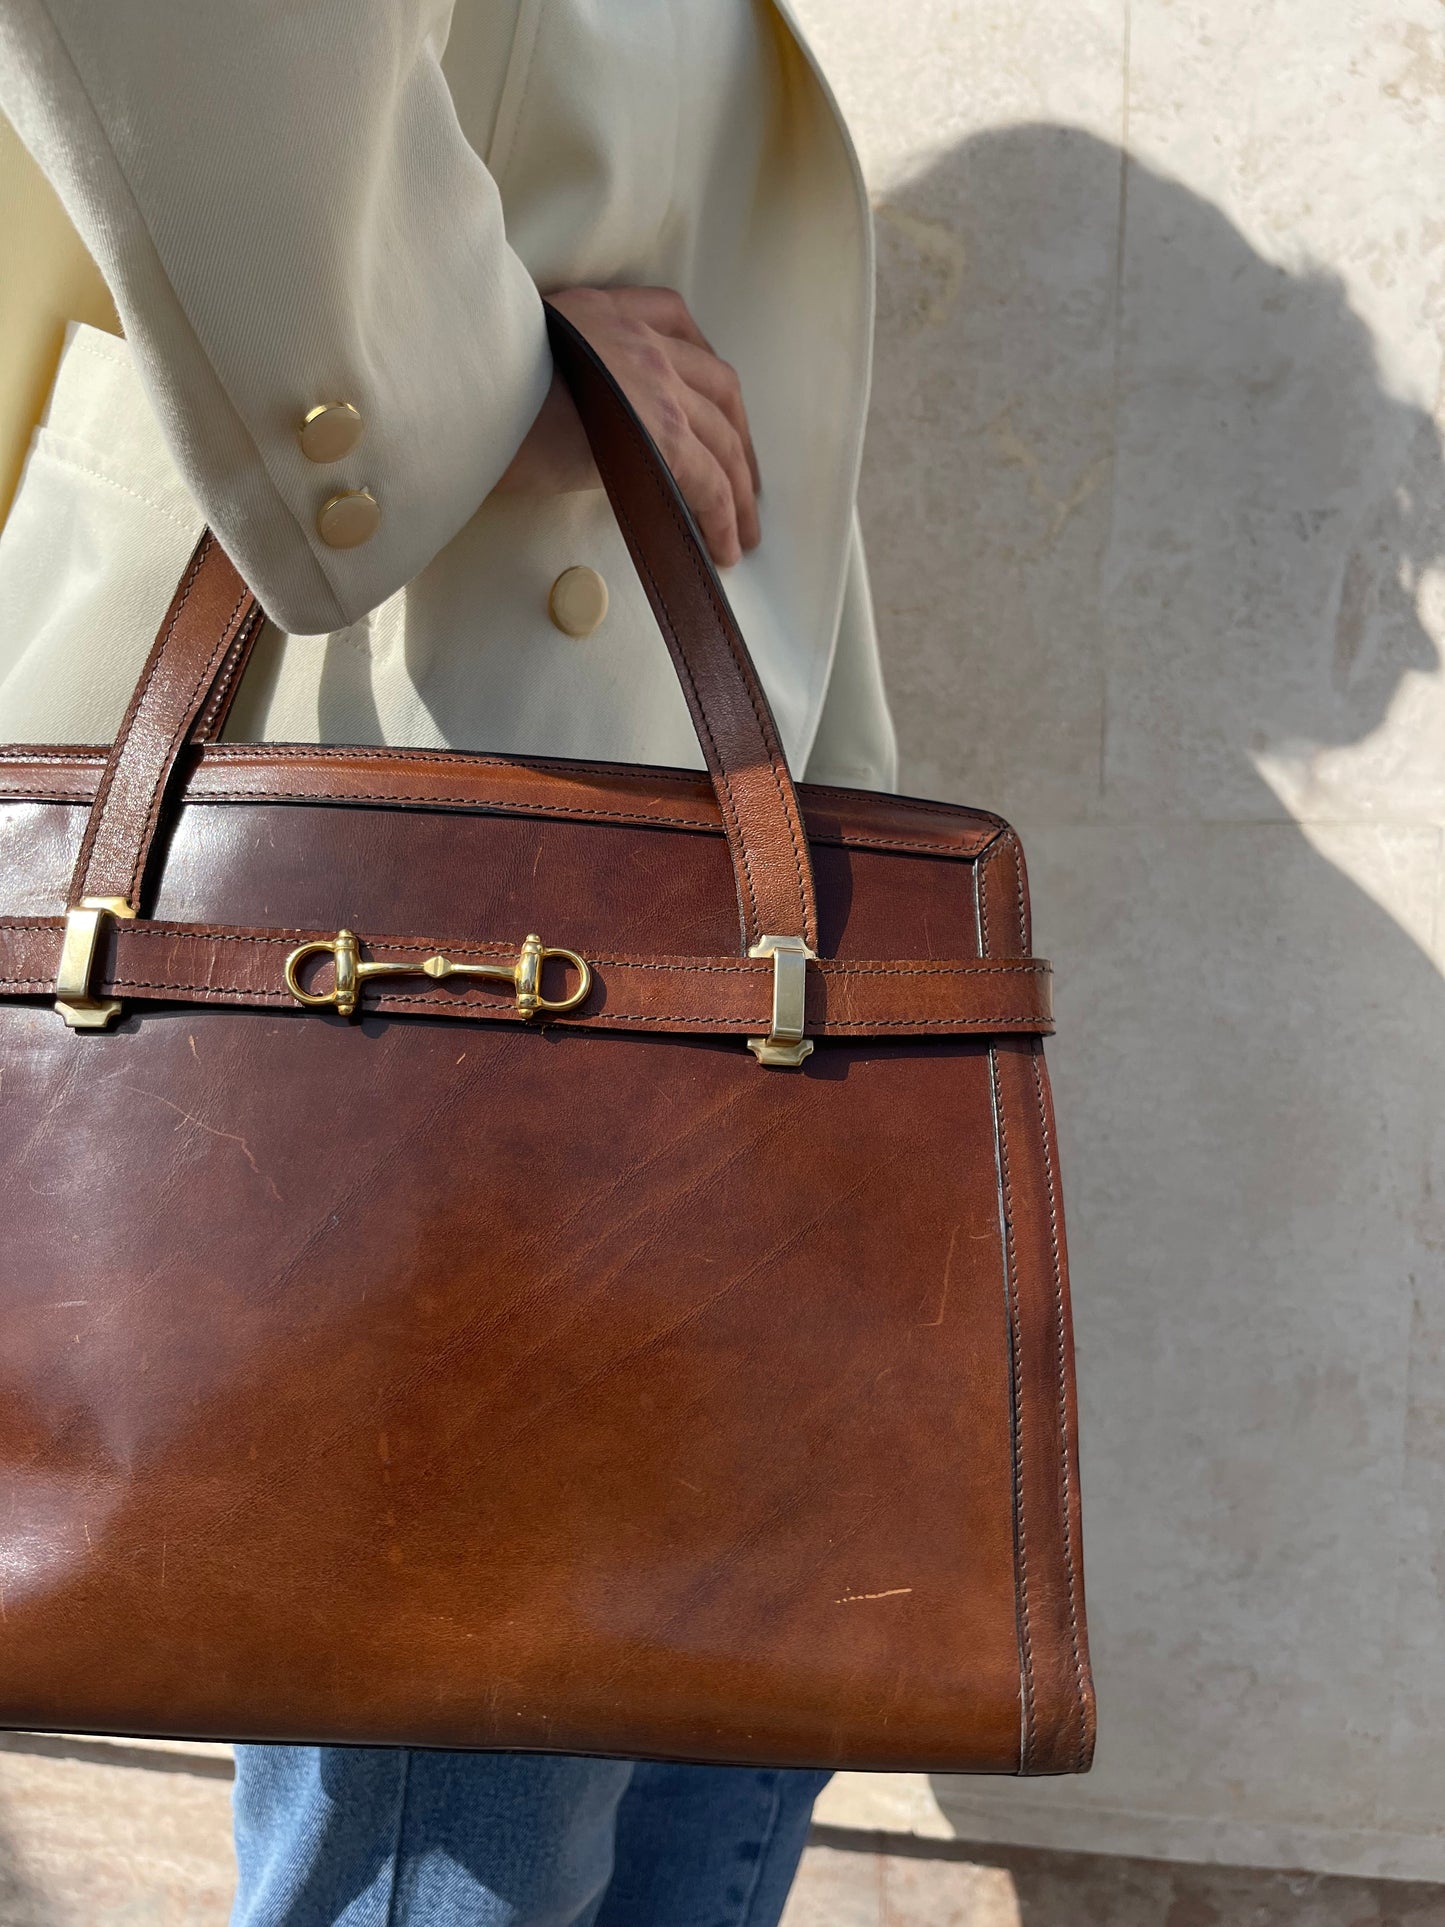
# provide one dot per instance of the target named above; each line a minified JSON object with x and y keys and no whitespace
{"x":1143,"y":516}
{"x":20,"y":1904}
{"x":1075,"y":434}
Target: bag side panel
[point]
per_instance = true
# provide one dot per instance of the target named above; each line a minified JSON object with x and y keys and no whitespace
{"x":1058,"y":1713}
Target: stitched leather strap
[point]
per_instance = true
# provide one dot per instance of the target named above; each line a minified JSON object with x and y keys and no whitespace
{"x":201,"y":645}
{"x":200,"y":653}
{"x":695,"y":996}
{"x":729,"y":710}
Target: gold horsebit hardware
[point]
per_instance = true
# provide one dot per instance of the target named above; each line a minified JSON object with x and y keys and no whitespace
{"x":784,"y":1046}
{"x":524,"y":975}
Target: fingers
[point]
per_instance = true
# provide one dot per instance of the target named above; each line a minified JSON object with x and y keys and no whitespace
{"x":711,"y":395}
{"x":709,"y":494}
{"x":704,"y":482}
{"x":718,"y":380}
{"x":690,"y":400}
{"x":721,"y":439}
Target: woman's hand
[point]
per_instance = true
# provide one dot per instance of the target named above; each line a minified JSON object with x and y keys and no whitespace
{"x":688,"y":398}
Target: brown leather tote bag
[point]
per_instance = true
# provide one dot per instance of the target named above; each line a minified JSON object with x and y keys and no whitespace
{"x":645,"y":1336}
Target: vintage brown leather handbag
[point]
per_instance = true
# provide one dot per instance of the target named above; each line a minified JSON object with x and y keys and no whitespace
{"x":645,"y":1336}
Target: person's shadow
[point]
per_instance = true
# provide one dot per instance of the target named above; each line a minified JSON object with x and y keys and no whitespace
{"x":1147,"y":526}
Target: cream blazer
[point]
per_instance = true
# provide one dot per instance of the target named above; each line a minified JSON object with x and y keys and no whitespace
{"x":301,"y":205}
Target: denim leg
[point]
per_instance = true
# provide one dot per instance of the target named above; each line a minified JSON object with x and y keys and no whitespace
{"x":708,"y":1846}
{"x":397,"y":1837}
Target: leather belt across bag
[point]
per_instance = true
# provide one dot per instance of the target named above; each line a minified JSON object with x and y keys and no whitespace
{"x":504,"y":1253}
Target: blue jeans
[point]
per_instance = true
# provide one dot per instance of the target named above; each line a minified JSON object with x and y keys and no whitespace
{"x":394,"y":1837}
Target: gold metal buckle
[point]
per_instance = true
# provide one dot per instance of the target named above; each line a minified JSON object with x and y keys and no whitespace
{"x":84,"y":923}
{"x":525,"y":975}
{"x":785,"y":1044}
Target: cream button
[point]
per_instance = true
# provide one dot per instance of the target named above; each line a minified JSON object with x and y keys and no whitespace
{"x":330,"y":431}
{"x":578,"y":601}
{"x":348,"y":519}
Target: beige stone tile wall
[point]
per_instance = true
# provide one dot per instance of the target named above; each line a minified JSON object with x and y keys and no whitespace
{"x":1155,"y":501}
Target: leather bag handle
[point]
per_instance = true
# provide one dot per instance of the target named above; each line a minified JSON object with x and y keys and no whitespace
{"x":201,"y":651}
{"x":730,"y":713}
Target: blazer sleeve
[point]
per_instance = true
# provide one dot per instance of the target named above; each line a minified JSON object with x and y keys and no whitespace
{"x":288,"y":214}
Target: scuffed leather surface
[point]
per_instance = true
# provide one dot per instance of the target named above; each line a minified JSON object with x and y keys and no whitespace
{"x":460,"y":1384}
{"x":386,"y":1415}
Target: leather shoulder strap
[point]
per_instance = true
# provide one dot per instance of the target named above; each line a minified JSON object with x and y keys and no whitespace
{"x":729,"y":710}
{"x":202,"y":646}
{"x":207,"y":631}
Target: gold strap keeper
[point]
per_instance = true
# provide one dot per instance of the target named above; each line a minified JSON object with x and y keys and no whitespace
{"x":84,"y":924}
{"x":785,"y":1045}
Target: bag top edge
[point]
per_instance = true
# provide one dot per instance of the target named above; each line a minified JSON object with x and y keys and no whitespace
{"x":678,"y":799}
